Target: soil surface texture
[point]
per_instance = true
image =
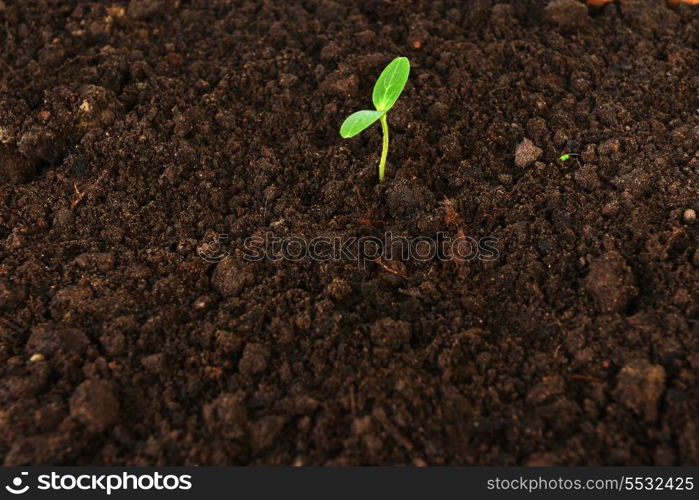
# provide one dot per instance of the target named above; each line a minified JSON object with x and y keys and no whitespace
{"x":142,"y":142}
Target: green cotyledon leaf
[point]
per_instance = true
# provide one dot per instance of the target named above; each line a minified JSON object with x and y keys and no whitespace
{"x":356,"y":122}
{"x":391,"y":83}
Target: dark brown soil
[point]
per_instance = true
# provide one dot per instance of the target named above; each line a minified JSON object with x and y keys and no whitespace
{"x":132,"y":133}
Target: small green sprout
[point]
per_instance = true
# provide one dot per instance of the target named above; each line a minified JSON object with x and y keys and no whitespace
{"x":566,"y":156}
{"x":387,"y":89}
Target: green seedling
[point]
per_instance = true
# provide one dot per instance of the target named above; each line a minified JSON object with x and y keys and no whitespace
{"x":567,"y":156}
{"x":387,"y":89}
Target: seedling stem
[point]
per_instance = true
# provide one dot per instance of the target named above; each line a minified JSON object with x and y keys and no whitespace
{"x":384,"y":152}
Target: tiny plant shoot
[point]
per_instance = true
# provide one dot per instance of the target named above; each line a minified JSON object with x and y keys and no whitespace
{"x":387,"y":89}
{"x":567,"y":156}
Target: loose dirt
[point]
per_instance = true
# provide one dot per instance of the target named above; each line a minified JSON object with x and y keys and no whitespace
{"x":134,"y":134}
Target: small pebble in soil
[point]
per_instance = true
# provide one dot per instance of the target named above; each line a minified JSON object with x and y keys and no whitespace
{"x":610,"y":281}
{"x":204,"y":302}
{"x":94,"y":404}
{"x":6,"y":135}
{"x":116,"y":11}
{"x":639,"y":387}
{"x":526,"y":153}
{"x":417,"y":36}
{"x":689,"y":216}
